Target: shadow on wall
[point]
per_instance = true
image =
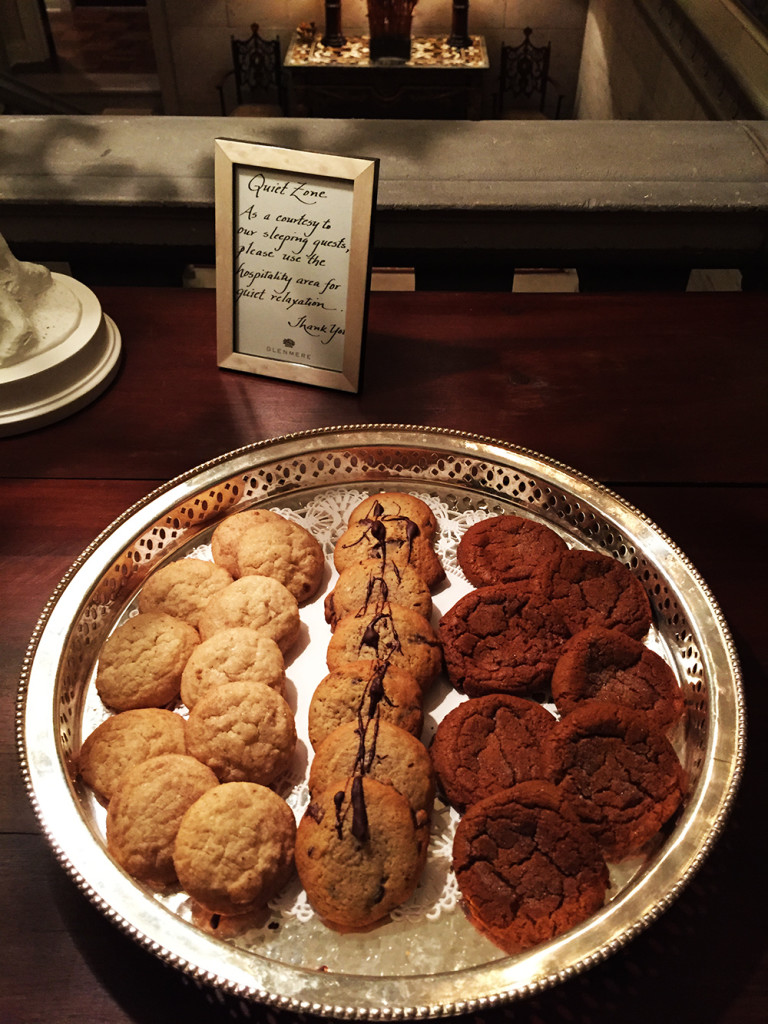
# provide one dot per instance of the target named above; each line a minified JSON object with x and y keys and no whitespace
{"x":135,"y":185}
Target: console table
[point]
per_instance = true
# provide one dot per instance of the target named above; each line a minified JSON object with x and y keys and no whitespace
{"x":438,"y":81}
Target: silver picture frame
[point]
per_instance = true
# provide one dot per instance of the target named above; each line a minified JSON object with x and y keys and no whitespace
{"x":293,"y":242}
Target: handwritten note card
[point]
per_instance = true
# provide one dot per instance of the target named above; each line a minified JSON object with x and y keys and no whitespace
{"x":291,"y":255}
{"x":293,"y":238}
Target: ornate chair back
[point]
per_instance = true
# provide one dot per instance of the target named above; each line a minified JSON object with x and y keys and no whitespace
{"x":257,"y":72}
{"x":524,"y":76}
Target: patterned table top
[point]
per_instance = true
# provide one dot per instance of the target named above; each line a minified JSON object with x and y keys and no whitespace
{"x":426,"y":52}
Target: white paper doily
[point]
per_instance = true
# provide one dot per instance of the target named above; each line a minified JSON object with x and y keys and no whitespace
{"x":437,"y":895}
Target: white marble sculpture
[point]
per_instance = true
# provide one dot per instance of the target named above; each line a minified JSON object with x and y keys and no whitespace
{"x":36,"y":311}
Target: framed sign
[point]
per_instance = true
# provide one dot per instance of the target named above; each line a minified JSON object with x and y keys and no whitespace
{"x":293,"y":238}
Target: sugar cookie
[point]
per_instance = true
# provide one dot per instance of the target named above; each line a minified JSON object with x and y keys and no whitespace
{"x":124,"y":740}
{"x":234,"y":848}
{"x":146,"y":809}
{"x":141,"y":663}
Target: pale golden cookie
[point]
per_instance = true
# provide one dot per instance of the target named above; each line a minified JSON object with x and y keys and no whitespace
{"x":259,"y":602}
{"x":399,"y":636}
{"x":285,"y":551}
{"x":389,"y":541}
{"x":227,"y":534}
{"x":361,"y":691}
{"x":389,"y":505}
{"x":124,"y":740}
{"x":141,"y":663}
{"x":234,"y":848}
{"x":236,"y":654}
{"x":371,"y":585}
{"x":145,"y":812}
{"x":244,"y":732}
{"x":183,"y":588}
{"x":385,"y":753}
{"x":357,"y":853}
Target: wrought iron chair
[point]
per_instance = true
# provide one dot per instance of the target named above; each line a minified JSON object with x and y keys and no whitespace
{"x":256,"y":73}
{"x":523,"y":80}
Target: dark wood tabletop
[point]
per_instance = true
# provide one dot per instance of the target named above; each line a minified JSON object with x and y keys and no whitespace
{"x":661,"y":397}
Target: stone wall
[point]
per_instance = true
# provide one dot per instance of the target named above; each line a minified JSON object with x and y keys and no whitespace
{"x":646,"y":59}
{"x":192,"y":38}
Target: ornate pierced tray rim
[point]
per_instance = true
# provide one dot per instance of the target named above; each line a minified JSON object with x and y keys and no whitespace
{"x":473,"y":989}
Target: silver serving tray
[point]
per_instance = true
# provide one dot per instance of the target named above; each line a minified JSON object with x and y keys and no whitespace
{"x":467,"y":472}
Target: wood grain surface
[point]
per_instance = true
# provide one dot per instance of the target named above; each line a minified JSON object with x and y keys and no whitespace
{"x":661,"y":397}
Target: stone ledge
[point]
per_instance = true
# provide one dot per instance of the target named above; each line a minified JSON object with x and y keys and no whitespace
{"x":546,"y":188}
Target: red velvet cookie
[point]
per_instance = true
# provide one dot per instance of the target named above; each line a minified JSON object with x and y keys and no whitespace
{"x":527,"y":870}
{"x":622,"y":776}
{"x":505,"y":549}
{"x":606,"y":664}
{"x":501,"y":639}
{"x":487,"y":744}
{"x":588,"y":588}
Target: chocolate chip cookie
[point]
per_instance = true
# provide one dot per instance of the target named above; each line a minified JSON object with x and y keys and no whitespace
{"x":373,"y":584}
{"x":398,"y":636}
{"x":364,"y":691}
{"x":357,"y":852}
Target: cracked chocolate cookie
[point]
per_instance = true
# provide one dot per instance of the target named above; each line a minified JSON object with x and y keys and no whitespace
{"x":527,"y":869}
{"x":621,"y":776}
{"x":506,"y":549}
{"x":606,"y":664}
{"x":588,"y":588}
{"x":501,"y":639}
{"x":487,"y":744}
